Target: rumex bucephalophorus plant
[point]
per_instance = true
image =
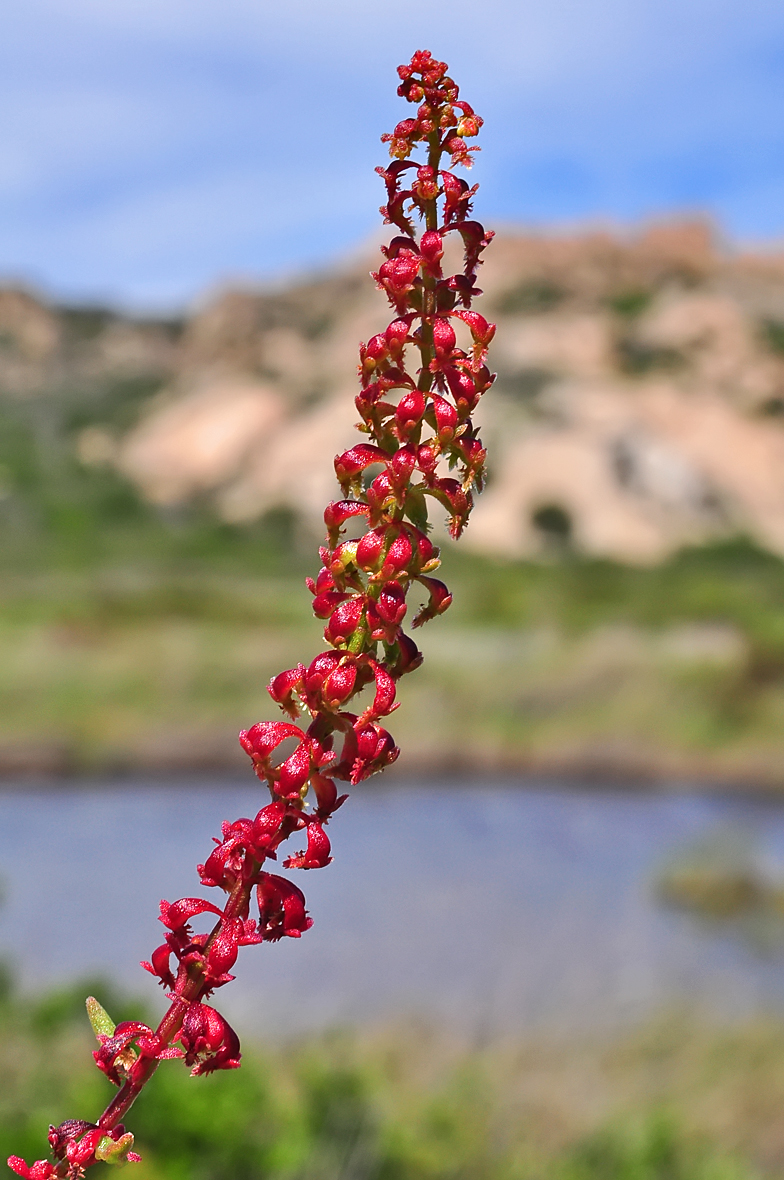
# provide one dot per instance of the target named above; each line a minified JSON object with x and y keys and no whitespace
{"x":423,"y":446}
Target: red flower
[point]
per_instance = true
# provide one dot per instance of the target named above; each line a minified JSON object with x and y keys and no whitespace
{"x":281,"y":908}
{"x":209,"y":1041}
{"x":316,"y":856}
{"x":40,"y":1170}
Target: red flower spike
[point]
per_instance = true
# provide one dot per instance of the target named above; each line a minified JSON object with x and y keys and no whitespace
{"x":361,"y":593}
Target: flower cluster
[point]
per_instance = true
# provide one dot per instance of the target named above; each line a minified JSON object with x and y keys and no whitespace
{"x":419,"y":444}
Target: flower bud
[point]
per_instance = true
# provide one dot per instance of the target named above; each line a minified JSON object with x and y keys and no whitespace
{"x":391,"y":604}
{"x":446,"y":419}
{"x":375,"y":750}
{"x":432,"y":250}
{"x":370,"y":549}
{"x":426,"y":183}
{"x":398,"y":556}
{"x":344,"y":619}
{"x":324,"y":604}
{"x":444,"y":339}
{"x":327,"y":796}
{"x":339,"y":685}
{"x":176,"y":914}
{"x":294,"y":772}
{"x":409,"y":412}
{"x":282,"y":910}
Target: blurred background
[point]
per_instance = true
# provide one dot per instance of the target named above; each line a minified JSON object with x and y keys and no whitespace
{"x":552,"y":940}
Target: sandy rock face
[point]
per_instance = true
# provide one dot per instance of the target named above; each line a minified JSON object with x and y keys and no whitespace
{"x":635,"y":409}
{"x":637,"y":472}
{"x":197,"y":441}
{"x":639,"y":404}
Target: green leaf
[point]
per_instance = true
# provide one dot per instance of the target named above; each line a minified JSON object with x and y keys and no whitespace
{"x":101,"y":1021}
{"x":111,"y":1151}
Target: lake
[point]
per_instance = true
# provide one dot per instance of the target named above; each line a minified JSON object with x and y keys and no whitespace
{"x":487,"y":906}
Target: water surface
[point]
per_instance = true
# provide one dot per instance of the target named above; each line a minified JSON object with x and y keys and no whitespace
{"x":488,"y":906}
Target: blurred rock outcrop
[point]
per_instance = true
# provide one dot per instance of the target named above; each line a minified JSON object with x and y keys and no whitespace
{"x":639,"y":403}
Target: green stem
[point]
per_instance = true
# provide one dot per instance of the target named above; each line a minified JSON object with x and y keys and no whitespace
{"x":428,"y":281}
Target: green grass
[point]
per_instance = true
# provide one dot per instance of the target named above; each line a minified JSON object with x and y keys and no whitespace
{"x":131,"y":638}
{"x":113,"y":664}
{"x":676,"y":1101}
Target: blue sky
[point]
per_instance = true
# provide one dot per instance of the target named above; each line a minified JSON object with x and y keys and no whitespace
{"x":150,"y":149}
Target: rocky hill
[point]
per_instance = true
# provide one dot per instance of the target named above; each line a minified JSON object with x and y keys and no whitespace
{"x":639,"y":403}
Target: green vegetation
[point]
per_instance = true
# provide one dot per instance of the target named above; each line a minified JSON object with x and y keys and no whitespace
{"x":635,"y":357}
{"x":131,"y":638}
{"x":673,"y":1103}
{"x":630,"y":302}
{"x":773,"y":335}
{"x":531,"y":297}
{"x":147,"y":643}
